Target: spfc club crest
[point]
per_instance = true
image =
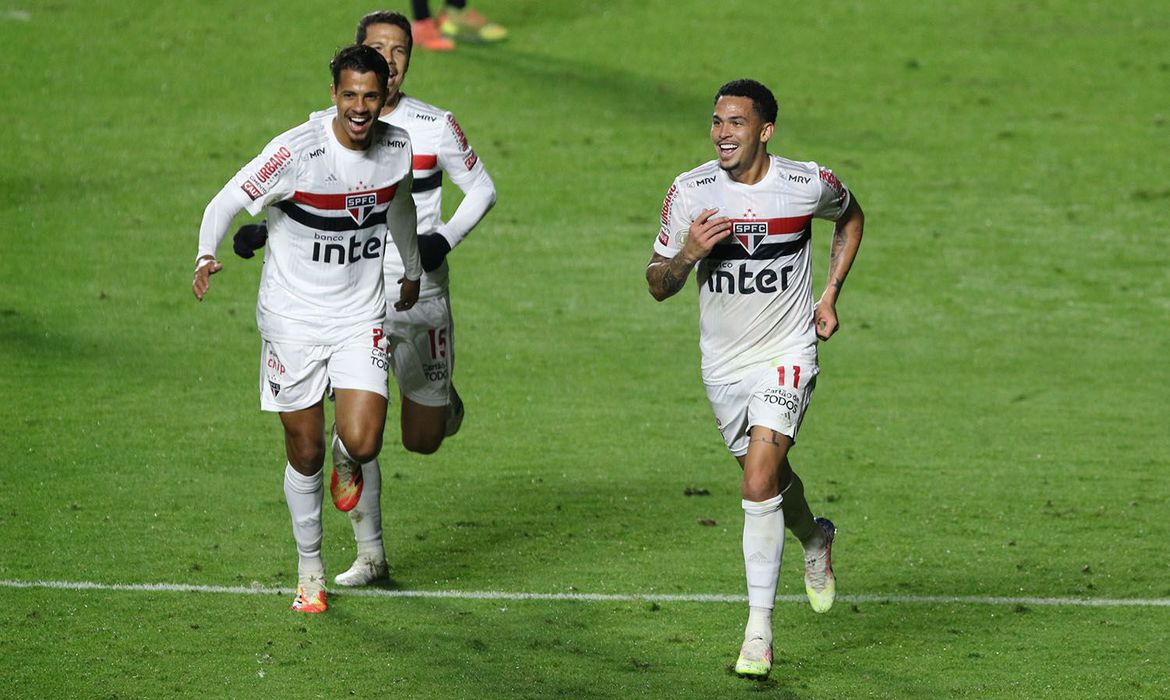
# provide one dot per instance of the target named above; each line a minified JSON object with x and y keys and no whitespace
{"x":360,"y":205}
{"x":750,"y":234}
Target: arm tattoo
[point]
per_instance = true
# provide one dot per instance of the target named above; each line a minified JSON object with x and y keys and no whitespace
{"x":664,"y":279}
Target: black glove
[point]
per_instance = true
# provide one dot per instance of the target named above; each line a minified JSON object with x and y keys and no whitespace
{"x":250,"y":238}
{"x":432,"y":248}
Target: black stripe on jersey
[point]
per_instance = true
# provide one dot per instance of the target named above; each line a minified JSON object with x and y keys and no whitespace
{"x":329,"y":223}
{"x":768,"y":251}
{"x":428,"y":183}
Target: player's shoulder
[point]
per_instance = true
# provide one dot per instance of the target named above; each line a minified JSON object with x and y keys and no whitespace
{"x":797,"y":173}
{"x":303,"y":138}
{"x":392,"y":138}
{"x":705,"y":174}
{"x":416,"y":113}
{"x":328,"y":112}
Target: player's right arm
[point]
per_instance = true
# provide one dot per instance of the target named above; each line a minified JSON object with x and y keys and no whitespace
{"x":267,"y":178}
{"x":216,"y":218}
{"x":667,"y":275}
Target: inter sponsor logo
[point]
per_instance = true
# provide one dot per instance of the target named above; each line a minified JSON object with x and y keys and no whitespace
{"x":360,"y":205}
{"x":342,"y":252}
{"x":743,"y":281}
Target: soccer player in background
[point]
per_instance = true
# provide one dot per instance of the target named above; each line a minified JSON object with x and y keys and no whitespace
{"x":744,"y":220}
{"x":422,"y":340}
{"x":331,"y":188}
{"x":456,"y":22}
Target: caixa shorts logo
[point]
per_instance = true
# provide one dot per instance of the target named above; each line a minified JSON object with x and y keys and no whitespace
{"x":361,"y":205}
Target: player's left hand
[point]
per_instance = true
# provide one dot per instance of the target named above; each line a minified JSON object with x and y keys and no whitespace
{"x":432,"y":249}
{"x":407,"y":294}
{"x":825,"y":319}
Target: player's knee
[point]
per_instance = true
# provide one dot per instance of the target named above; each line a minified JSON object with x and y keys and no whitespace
{"x":423,"y":442}
{"x":759,"y":487}
{"x":364,"y":448}
{"x":305,"y":452}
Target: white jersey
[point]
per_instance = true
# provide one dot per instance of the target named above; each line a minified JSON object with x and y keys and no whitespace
{"x":327,"y":208}
{"x":755,"y":288}
{"x":439,"y":146}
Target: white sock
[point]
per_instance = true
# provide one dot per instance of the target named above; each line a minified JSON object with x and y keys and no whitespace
{"x":340,"y":447}
{"x":303,"y":495}
{"x":366,"y":516}
{"x":763,"y":545}
{"x":759,"y":624}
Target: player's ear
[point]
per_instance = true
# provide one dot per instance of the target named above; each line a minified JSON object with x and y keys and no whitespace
{"x":766,"y":132}
{"x":333,"y":93}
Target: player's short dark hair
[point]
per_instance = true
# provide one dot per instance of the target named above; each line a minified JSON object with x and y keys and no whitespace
{"x":385,"y":17}
{"x":762,"y":98}
{"x":361,"y":59}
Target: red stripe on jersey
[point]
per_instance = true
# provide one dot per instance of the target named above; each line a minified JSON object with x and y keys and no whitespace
{"x":781,"y":225}
{"x":424,"y":162}
{"x":341,"y":201}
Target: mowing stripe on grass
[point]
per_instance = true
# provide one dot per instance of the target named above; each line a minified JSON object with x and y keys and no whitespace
{"x":594,"y":597}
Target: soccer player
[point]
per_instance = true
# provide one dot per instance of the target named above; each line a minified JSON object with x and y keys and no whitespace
{"x":422,"y":340}
{"x":331,"y":188}
{"x":744,"y":220}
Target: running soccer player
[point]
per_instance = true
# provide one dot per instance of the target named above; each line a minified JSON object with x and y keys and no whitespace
{"x":744,"y":219}
{"x":422,"y":340}
{"x":331,"y":188}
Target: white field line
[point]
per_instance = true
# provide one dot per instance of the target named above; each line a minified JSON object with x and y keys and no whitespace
{"x":594,"y":597}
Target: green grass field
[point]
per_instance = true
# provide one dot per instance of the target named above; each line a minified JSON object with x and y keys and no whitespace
{"x":989,"y":432}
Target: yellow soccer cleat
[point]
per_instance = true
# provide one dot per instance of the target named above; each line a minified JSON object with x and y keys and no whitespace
{"x":819,"y":582}
{"x":755,"y":659}
{"x":469,"y":25}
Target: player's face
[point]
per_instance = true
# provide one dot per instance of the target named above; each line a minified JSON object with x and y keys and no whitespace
{"x":390,"y":41}
{"x":739,"y":134}
{"x":359,"y":99}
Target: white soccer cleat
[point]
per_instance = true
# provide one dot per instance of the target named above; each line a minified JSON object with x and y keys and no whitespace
{"x":366,"y":569}
{"x":755,"y":658}
{"x":819,"y":582}
{"x":454,"y":414}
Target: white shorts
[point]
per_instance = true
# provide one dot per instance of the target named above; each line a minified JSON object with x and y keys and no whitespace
{"x":422,"y":350}
{"x":773,"y":397}
{"x":294,"y":377}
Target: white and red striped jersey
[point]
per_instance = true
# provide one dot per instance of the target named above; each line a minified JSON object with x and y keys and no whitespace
{"x":327,"y":209}
{"x":755,"y":288}
{"x":439,"y":147}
